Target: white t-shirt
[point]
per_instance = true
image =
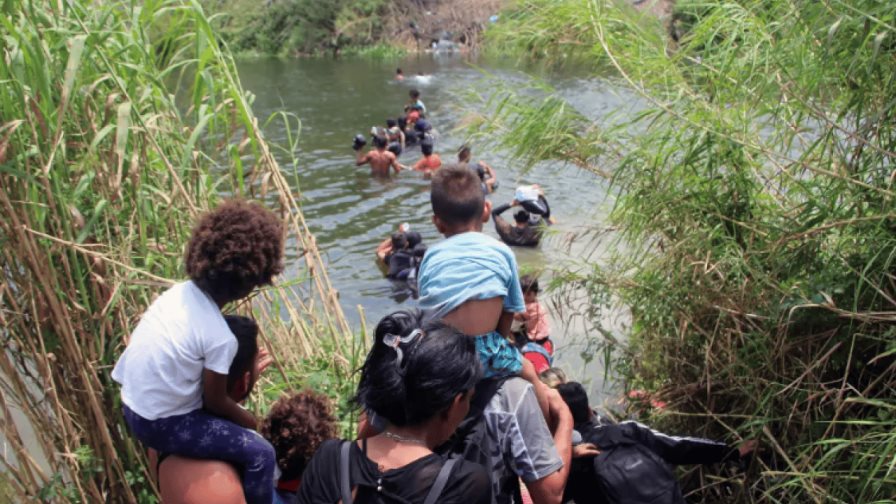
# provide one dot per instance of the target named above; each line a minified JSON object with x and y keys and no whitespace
{"x":181,"y":333}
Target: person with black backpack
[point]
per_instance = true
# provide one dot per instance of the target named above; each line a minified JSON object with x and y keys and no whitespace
{"x":417,"y":383}
{"x":634,"y":463}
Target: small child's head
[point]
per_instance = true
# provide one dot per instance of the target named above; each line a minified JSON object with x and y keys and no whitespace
{"x":426,"y":148}
{"x":235,"y":248}
{"x":457,"y":201}
{"x":414,"y":238}
{"x":242,"y":373}
{"x":414,"y":94}
{"x":521,"y":217}
{"x":464,"y":154}
{"x":529,"y":285}
{"x":296,"y":426}
{"x":398,"y":71}
{"x":380,"y":142}
{"x":391,"y":123}
{"x":399,"y":241}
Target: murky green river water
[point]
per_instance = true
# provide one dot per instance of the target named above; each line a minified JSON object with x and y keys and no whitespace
{"x":350,"y":212}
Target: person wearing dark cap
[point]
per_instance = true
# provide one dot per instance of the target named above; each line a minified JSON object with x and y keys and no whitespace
{"x":525,"y":232}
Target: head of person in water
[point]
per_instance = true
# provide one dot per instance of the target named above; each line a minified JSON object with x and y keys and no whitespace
{"x":235,"y":248}
{"x":458,"y":204}
{"x":414,"y":238}
{"x":391,"y":123}
{"x":399,"y":241}
{"x":574,"y":395}
{"x":296,"y":426}
{"x":426,"y":148}
{"x":414,"y":94}
{"x":521,"y":218}
{"x":398,"y":71}
{"x":419,"y":374}
{"x":380,"y":142}
{"x":464,"y":154}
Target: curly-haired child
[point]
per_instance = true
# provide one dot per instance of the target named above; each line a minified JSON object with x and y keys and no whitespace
{"x":173,"y":373}
{"x":296,"y":426}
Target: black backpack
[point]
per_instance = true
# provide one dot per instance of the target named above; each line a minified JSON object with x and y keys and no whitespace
{"x":470,"y":441}
{"x":629,"y":472}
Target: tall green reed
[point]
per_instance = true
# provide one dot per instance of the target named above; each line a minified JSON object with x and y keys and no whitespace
{"x":119,"y":123}
{"x":753,"y":189}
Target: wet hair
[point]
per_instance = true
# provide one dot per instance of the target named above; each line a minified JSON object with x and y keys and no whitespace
{"x":246,"y":331}
{"x":414,"y":238}
{"x":415,"y":94}
{"x":434,"y":368}
{"x":380,"y":142}
{"x":296,"y":426}
{"x":521,"y":216}
{"x":391,"y":123}
{"x":463,"y":155}
{"x":399,"y":241}
{"x":235,"y":248}
{"x":398,"y":71}
{"x":552,"y":377}
{"x":426,"y":148}
{"x":529,"y":283}
{"x":574,"y":395}
{"x":456,"y":195}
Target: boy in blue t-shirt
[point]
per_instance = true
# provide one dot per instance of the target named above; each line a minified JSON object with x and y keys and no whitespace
{"x":470,"y":280}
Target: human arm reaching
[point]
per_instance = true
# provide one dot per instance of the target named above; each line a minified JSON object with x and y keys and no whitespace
{"x":549,"y":489}
{"x":216,"y":400}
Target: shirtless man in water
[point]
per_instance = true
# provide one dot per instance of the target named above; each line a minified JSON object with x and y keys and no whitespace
{"x":379,"y":158}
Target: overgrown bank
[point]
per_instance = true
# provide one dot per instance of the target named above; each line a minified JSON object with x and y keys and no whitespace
{"x":374,"y":27}
{"x":120,"y":124}
{"x":754,"y":195}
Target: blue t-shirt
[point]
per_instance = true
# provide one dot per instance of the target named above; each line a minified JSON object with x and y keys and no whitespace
{"x":468,"y":266}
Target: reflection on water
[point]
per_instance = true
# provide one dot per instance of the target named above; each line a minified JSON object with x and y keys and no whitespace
{"x":350,"y":212}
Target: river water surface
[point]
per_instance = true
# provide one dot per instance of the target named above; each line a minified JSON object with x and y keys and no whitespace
{"x":350,"y":212}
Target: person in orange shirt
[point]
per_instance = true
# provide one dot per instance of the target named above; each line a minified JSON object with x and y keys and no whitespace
{"x":430,"y":162}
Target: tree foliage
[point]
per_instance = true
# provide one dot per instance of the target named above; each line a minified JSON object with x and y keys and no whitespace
{"x":754,"y":186}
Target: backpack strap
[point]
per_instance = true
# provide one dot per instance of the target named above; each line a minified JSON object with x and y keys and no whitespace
{"x":345,"y":487}
{"x":440,"y":482}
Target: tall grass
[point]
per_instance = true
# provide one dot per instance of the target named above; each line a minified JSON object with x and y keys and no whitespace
{"x":754,"y":191}
{"x":119,"y":123}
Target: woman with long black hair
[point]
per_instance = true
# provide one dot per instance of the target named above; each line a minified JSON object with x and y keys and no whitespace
{"x":417,"y":381}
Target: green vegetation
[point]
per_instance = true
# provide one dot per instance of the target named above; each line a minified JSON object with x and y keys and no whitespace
{"x":754,"y":192}
{"x":121,"y":122}
{"x":293,"y":27}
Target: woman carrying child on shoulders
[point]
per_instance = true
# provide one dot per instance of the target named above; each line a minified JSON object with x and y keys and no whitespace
{"x":173,"y":373}
{"x":418,"y":380}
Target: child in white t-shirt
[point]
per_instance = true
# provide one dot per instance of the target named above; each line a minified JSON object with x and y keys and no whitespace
{"x":173,"y":373}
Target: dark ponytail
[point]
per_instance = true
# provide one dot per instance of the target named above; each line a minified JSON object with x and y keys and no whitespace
{"x":434,"y":367}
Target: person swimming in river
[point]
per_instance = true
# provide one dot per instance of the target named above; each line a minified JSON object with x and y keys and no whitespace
{"x":399,"y":75}
{"x":174,"y":370}
{"x":470,"y":280}
{"x":482,"y":169}
{"x":430,"y":162}
{"x":379,"y":158}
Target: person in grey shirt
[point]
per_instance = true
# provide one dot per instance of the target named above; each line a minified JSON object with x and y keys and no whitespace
{"x":523,"y":446}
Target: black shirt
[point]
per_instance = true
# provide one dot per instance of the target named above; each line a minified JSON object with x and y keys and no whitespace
{"x":468,"y":484}
{"x":528,"y":236}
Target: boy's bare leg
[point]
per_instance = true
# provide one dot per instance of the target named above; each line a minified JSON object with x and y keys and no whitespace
{"x":528,"y":373}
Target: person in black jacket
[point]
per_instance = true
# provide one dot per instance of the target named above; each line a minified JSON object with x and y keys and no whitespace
{"x":585,"y":485}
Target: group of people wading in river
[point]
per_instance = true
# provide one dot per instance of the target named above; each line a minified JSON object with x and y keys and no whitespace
{"x":451,"y":410}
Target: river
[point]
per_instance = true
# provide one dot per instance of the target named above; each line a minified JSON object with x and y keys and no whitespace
{"x":350,"y":212}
